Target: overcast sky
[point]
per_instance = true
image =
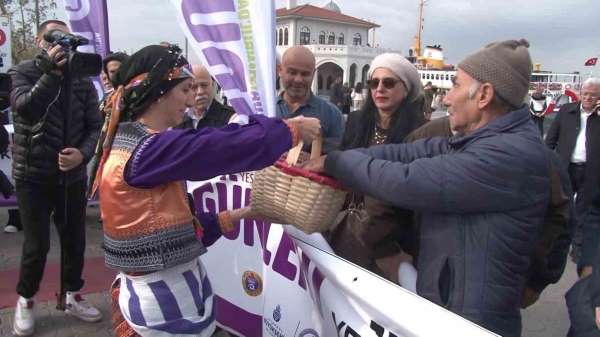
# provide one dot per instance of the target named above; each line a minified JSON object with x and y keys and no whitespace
{"x":562,"y":34}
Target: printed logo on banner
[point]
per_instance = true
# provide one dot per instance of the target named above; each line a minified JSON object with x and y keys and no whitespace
{"x":308,"y":333}
{"x":252,"y":283}
{"x":271,"y":324}
{"x":277,"y":313}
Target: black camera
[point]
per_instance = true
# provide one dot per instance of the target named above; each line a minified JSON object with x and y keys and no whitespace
{"x":79,"y":64}
{"x":67,"y":40}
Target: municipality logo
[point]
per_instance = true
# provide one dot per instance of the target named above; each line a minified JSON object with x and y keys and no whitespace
{"x":277,"y":313}
{"x":252,"y":283}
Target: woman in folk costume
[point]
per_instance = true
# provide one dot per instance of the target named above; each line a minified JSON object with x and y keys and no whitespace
{"x":150,"y":234}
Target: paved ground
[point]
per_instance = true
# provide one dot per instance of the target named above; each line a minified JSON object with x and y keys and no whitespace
{"x":547,"y":318}
{"x":51,"y":322}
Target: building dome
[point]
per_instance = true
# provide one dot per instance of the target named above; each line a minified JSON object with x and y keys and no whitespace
{"x":332,"y":6}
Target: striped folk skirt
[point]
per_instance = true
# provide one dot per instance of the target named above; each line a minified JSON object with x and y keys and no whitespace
{"x":173,"y":302}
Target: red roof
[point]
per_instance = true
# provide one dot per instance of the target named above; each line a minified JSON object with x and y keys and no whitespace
{"x":324,"y":14}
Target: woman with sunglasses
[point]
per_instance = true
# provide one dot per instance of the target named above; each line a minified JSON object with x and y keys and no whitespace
{"x":392,"y":110}
{"x":151,"y":236}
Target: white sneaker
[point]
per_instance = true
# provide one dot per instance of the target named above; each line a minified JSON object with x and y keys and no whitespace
{"x":10,"y":229}
{"x":80,"y":308}
{"x":24,"y":321}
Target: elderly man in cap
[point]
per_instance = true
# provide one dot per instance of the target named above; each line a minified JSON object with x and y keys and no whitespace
{"x":482,"y":193}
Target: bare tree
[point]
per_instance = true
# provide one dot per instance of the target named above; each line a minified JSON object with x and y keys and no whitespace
{"x":3,"y":9}
{"x":25,"y":17}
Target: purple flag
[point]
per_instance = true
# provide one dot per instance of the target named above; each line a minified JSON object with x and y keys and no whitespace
{"x":89,"y":18}
{"x":234,"y":40}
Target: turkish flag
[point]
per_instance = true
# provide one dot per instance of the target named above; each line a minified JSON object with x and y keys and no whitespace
{"x":591,"y":62}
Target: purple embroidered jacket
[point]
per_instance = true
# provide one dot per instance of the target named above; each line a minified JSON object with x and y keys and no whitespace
{"x":203,"y":154}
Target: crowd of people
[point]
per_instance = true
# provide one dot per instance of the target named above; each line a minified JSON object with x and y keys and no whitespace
{"x":475,"y":211}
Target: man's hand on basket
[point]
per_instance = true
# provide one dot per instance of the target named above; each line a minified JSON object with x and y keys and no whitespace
{"x":315,"y":165}
{"x":309,"y":128}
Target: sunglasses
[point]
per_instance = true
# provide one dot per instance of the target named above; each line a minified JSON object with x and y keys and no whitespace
{"x":388,"y":83}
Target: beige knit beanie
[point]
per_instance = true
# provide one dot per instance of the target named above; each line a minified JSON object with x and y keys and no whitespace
{"x":506,"y":65}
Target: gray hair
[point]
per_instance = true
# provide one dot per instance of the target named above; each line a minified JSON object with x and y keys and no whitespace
{"x":595,"y":81}
{"x":474,"y":87}
{"x":497,"y":98}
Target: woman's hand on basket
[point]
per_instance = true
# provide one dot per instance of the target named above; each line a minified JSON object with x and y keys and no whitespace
{"x":308,"y":127}
{"x":241,"y":213}
{"x":315,"y":165}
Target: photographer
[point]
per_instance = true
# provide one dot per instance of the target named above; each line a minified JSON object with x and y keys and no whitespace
{"x":48,"y":168}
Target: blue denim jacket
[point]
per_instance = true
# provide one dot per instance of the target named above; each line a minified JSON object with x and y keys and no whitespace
{"x":330,"y":116}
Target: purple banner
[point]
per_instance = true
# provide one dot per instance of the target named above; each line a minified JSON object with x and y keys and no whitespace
{"x":89,"y":18}
{"x":224,"y":37}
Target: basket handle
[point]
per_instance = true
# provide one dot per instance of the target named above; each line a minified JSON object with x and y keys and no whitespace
{"x":317,"y":145}
{"x":294,"y":153}
{"x":315,"y":152}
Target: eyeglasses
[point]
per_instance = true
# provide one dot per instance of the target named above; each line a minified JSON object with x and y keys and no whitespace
{"x":388,"y":83}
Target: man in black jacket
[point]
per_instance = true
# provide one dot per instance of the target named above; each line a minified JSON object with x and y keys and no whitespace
{"x":44,"y":165}
{"x":207,"y":112}
{"x":575,"y":136}
{"x":583,"y":299}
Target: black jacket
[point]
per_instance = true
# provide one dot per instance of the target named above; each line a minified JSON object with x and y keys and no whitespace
{"x":584,"y":297}
{"x":218,"y":115}
{"x":37,"y":103}
{"x":562,"y":138}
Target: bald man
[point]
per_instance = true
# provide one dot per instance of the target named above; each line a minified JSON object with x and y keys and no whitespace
{"x":296,"y":74}
{"x":207,"y":112}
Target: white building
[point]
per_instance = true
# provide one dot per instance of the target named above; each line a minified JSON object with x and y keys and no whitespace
{"x":343,"y":45}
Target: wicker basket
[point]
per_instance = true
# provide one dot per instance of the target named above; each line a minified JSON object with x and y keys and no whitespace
{"x":290,"y":195}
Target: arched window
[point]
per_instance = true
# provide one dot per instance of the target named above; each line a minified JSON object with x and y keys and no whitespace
{"x":304,"y":35}
{"x":322,"y":37}
{"x":320,"y":82}
{"x":341,"y":38}
{"x":329,"y":82}
{"x":353,"y":75}
{"x":280,"y":40}
{"x":365,"y":72}
{"x":437,"y":76}
{"x":357,"y":41}
{"x":285,"y":37}
{"x":331,"y":38}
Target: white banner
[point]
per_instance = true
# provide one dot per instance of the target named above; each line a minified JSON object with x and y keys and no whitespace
{"x":271,"y":282}
{"x":5,"y":44}
{"x":228,"y":35}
